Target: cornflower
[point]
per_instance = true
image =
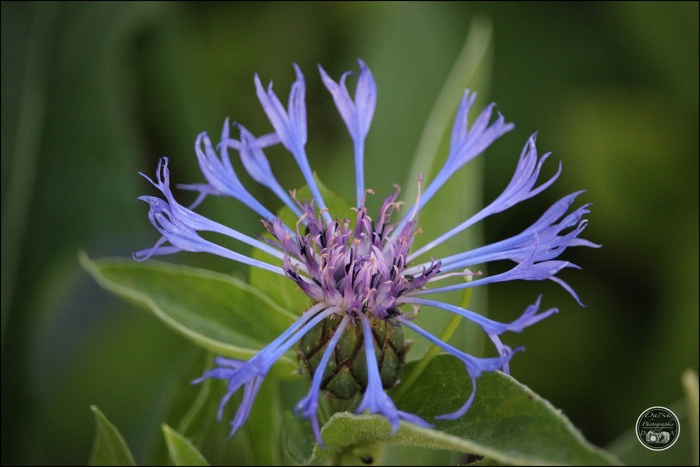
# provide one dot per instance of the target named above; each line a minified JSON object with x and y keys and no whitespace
{"x":363,"y":280}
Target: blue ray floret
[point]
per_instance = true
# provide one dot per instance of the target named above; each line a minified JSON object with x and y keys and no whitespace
{"x":364,"y":272}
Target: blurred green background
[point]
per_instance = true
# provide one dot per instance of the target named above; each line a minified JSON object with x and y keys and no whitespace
{"x":93,"y":93}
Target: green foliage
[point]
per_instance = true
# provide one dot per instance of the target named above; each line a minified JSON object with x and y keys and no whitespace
{"x":109,"y":448}
{"x":507,"y":422}
{"x":215,"y":311}
{"x":298,"y":438}
{"x":182,"y":451}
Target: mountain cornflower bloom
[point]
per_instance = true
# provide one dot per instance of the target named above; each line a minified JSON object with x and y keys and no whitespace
{"x":364,"y":281}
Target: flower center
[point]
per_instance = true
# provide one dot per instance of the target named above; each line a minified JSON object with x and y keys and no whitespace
{"x":358,"y":269}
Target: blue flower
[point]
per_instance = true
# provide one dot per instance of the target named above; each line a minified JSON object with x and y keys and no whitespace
{"x":363,"y":274}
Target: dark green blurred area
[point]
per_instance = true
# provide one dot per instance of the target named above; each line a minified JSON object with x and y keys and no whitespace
{"x":93,"y":93}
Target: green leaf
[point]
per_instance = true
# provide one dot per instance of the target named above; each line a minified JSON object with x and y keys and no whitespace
{"x":263,"y":426}
{"x":182,"y":451}
{"x":199,"y":422}
{"x":109,"y":448}
{"x":215,"y":311}
{"x":298,"y":438}
{"x":462,"y":196}
{"x":689,"y":379}
{"x":472,"y":69}
{"x":507,"y":422}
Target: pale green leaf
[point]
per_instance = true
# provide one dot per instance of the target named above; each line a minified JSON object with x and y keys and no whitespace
{"x":215,"y":311}
{"x":472,"y":69}
{"x":689,"y":380}
{"x":109,"y":448}
{"x":462,"y":196}
{"x":181,"y":450}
